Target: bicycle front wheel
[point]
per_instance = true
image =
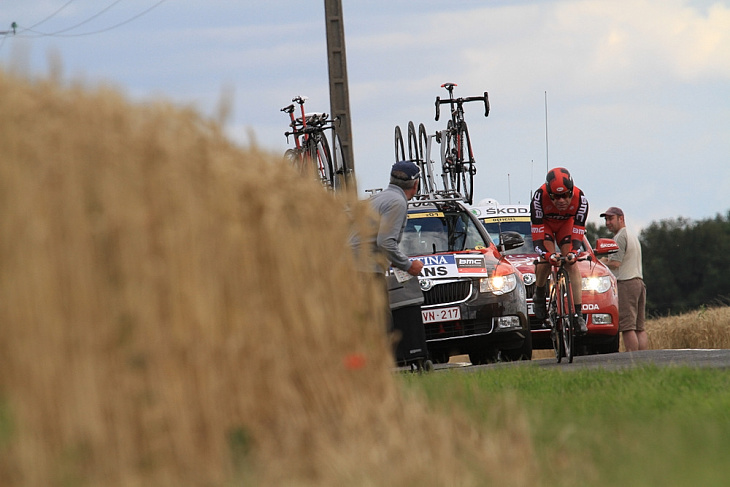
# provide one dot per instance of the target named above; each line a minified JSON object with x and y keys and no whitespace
{"x":339,"y":163}
{"x":467,"y":166}
{"x":400,"y":150}
{"x":321,"y":160}
{"x":567,"y":313}
{"x":449,"y":158}
{"x":555,"y":328}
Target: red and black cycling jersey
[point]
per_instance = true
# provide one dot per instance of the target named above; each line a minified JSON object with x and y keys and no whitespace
{"x":549,"y":223}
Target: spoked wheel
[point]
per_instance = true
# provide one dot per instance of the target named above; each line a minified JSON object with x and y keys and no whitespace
{"x":467,"y":168}
{"x":295,"y":158}
{"x":426,"y":185}
{"x":449,"y":158}
{"x":321,"y":160}
{"x":400,"y":150}
{"x":567,"y":331}
{"x":555,"y":334}
{"x":339,"y":163}
{"x":413,"y":152}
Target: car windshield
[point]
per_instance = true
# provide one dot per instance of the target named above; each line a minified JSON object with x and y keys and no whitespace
{"x":524,"y":228}
{"x":433,"y":232}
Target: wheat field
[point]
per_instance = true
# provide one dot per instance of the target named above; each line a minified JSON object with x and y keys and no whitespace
{"x":177,"y":310}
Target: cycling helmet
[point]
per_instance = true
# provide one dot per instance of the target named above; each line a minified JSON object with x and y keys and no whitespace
{"x":559,"y":181}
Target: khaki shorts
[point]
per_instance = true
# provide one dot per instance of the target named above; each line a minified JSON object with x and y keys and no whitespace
{"x":631,"y":305}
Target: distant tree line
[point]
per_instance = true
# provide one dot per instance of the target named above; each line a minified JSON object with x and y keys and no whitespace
{"x":686,"y":263}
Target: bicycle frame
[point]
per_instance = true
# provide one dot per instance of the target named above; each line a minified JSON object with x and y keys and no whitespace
{"x":294,"y":123}
{"x":561,"y":310}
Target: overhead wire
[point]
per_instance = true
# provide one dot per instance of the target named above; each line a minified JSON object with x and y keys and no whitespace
{"x":62,"y":32}
{"x":52,"y":15}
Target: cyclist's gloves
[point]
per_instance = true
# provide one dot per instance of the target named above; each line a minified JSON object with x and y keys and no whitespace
{"x":553,"y":258}
{"x":570,"y":257}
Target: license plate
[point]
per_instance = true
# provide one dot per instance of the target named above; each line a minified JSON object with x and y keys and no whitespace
{"x":443,"y":314}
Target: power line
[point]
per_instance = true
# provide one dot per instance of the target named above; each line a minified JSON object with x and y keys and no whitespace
{"x":52,"y":15}
{"x":60,"y":33}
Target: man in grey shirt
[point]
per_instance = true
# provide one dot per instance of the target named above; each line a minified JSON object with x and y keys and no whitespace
{"x":626,"y":266}
{"x":391,"y":211}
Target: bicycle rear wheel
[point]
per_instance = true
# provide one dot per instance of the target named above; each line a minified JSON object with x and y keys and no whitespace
{"x":400,"y":150}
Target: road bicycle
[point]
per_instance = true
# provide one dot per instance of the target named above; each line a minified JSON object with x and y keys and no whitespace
{"x":561,"y":309}
{"x":457,"y":157}
{"x":312,"y":152}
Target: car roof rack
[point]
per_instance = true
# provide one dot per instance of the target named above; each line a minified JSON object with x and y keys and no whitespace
{"x":437,"y":197}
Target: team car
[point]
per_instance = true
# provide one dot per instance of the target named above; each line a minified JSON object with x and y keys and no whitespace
{"x":600,"y":294}
{"x":475,"y":301}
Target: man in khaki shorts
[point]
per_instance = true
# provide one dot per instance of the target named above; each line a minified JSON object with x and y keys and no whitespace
{"x":626,"y":266}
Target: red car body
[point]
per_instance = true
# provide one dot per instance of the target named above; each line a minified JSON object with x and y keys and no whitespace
{"x":600,"y":295}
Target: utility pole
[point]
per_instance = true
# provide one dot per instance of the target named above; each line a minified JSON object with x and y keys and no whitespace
{"x":339,"y":94}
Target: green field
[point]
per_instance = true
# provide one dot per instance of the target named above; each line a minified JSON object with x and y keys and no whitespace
{"x":642,"y":426}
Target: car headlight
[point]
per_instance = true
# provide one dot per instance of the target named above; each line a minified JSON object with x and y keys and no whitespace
{"x":498,"y":284}
{"x":599,"y":284}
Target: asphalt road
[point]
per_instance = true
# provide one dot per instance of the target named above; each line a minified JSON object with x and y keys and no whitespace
{"x":612,"y":361}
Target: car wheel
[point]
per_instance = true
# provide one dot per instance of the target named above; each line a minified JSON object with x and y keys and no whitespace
{"x":610,"y":347}
{"x":522,"y":353}
{"x":483,"y":356}
{"x":439,"y":358}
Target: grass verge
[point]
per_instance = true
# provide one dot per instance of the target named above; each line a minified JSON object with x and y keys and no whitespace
{"x":642,"y":426}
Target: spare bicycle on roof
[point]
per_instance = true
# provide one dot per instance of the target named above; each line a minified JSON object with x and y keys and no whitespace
{"x":458,"y":166}
{"x":312,"y":152}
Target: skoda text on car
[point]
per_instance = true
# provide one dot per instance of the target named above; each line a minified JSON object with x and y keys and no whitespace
{"x":475,"y":299}
{"x":600,"y":296}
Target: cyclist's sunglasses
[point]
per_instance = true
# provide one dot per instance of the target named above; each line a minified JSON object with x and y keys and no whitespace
{"x":562,"y":196}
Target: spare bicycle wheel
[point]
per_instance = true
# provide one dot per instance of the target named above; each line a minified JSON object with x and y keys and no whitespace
{"x":400,"y":150}
{"x":413,"y":152}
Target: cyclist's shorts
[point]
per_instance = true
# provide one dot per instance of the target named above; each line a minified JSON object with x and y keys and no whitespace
{"x":560,"y":231}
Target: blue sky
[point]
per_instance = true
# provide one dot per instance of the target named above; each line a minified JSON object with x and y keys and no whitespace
{"x":638,"y":91}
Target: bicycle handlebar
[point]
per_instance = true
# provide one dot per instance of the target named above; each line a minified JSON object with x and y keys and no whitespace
{"x":585,"y":256}
{"x":310,"y":129}
{"x":460,"y":101}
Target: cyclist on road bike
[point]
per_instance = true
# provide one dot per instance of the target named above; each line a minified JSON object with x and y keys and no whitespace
{"x":558,"y":213}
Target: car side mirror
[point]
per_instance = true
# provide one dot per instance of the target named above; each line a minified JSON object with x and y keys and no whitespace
{"x":511,"y":240}
{"x":605,"y":246}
